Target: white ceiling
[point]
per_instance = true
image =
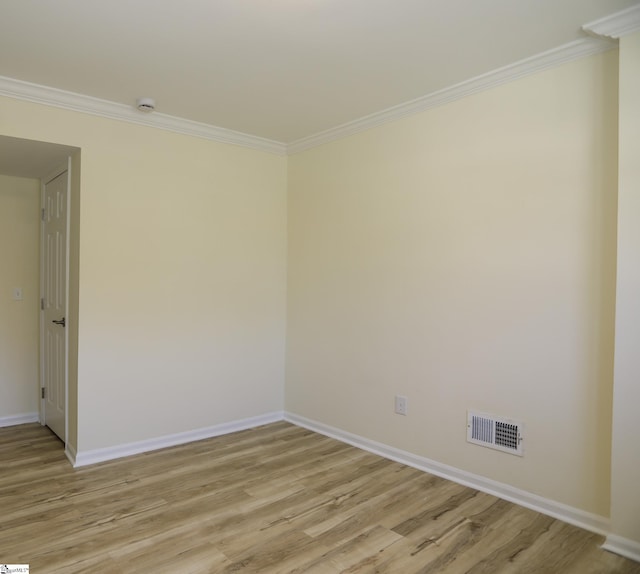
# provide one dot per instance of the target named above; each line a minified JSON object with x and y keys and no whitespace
{"x":278,"y":69}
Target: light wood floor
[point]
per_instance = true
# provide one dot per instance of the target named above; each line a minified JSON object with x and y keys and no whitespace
{"x":275,"y":499}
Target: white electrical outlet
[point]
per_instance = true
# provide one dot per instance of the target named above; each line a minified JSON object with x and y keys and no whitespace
{"x":401,"y":405}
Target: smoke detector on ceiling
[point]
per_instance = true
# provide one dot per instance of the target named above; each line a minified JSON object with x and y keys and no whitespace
{"x":146,"y":104}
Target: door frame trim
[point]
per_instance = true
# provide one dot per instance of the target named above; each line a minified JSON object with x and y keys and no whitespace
{"x":43,"y":182}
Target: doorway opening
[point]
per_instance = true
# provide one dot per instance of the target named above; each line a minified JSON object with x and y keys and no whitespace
{"x":50,"y":356}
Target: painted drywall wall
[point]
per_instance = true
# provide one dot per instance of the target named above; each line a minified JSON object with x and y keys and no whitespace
{"x":465,"y":258}
{"x":181,"y":276}
{"x":625,"y":502}
{"x":19,"y":326}
{"x":75,"y":168}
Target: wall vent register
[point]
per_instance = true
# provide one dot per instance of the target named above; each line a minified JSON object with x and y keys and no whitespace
{"x":495,"y":432}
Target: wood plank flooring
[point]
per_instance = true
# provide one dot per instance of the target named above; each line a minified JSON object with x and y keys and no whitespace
{"x":275,"y":499}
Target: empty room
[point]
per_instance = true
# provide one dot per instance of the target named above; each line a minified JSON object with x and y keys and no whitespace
{"x":320,"y":286}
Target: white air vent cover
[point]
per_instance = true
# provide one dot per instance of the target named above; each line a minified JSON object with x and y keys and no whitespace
{"x":495,"y":432}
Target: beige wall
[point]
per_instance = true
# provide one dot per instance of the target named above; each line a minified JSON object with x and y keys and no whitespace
{"x":19,"y":327}
{"x":625,"y":500}
{"x":182,"y":285}
{"x":72,"y":310}
{"x":465,"y":257}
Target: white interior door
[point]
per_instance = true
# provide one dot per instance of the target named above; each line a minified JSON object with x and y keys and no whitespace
{"x":54,"y":302}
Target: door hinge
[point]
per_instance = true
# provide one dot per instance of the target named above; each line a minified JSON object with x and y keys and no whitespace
{"x":43,"y":214}
{"x":42,"y":393}
{"x":42,"y":304}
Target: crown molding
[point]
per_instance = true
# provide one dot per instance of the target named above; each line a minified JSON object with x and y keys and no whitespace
{"x":89,"y":105}
{"x":549,"y":59}
{"x":616,"y":25}
{"x":588,"y":46}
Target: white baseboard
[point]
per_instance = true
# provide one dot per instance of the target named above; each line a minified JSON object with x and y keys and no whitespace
{"x":591,"y":522}
{"x":22,"y":419}
{"x":623,"y":546}
{"x":575,"y":516}
{"x":103,"y":454}
{"x":70,"y":453}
